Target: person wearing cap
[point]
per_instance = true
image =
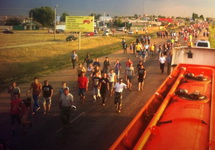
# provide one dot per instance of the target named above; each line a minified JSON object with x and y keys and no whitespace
{"x":118,"y":88}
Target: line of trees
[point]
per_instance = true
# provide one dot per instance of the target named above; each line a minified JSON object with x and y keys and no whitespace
{"x":196,"y":16}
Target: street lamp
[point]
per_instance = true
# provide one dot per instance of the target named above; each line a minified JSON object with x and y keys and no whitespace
{"x":55,"y":11}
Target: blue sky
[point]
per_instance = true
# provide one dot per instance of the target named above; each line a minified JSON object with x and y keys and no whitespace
{"x":113,"y":7}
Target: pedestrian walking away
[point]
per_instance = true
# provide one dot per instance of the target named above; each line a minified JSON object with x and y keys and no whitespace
{"x":118,"y":88}
{"x":36,"y":88}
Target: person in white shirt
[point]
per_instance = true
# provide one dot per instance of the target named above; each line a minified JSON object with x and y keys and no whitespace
{"x":112,"y":80}
{"x":162,"y":60}
{"x":119,"y":87}
{"x":66,"y":101}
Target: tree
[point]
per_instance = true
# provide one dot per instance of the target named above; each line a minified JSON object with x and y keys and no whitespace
{"x":201,"y":17}
{"x":118,"y":22}
{"x":63,"y":17}
{"x":135,"y":16}
{"x":13,"y":21}
{"x":96,"y":16}
{"x":43,"y":15}
{"x":194,"y":16}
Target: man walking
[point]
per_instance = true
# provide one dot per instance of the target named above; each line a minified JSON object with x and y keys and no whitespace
{"x":66,"y":101}
{"x":119,"y":87}
{"x":36,"y":88}
{"x":162,"y":60}
{"x":106,"y":65}
{"x":117,"y":68}
{"x":82,"y":86}
{"x":96,"y":90}
{"x":104,"y":87}
{"x":47,"y":96}
{"x":74,"y":58}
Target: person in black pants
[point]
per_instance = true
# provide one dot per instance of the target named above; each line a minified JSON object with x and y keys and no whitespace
{"x":104,"y":87}
{"x":74,"y":58}
{"x":162,"y":60}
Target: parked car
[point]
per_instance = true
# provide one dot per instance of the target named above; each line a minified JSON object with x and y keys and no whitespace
{"x":130,"y":32}
{"x":203,"y":43}
{"x":89,"y":34}
{"x":107,"y":32}
{"x":59,"y":31}
{"x":71,"y":38}
{"x":7,"y":31}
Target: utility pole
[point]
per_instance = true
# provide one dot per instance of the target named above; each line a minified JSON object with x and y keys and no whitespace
{"x":55,"y":12}
{"x":31,"y":20}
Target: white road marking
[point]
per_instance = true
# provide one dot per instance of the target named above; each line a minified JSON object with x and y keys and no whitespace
{"x":81,"y":114}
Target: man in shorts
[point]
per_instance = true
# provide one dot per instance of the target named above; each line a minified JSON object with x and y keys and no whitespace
{"x":119,"y":87}
{"x":47,"y":91}
{"x":129,"y":73}
{"x":141,"y":77}
{"x":82,"y":86}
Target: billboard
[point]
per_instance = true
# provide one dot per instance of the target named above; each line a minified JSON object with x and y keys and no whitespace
{"x":80,"y":23}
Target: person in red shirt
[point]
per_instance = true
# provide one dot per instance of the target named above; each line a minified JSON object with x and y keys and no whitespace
{"x":128,"y":63}
{"x":14,"y":111}
{"x":36,"y":88}
{"x":82,"y":86}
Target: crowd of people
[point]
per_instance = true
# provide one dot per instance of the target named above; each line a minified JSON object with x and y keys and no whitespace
{"x":104,"y":79}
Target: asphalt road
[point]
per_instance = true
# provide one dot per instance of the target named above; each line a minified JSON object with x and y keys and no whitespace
{"x":92,"y":126}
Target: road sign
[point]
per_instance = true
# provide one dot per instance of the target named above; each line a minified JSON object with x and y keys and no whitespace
{"x":80,"y":23}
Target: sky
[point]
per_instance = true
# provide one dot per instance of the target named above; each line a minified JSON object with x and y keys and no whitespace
{"x":183,"y":8}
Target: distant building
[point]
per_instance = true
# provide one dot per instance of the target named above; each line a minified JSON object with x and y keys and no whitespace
{"x":105,"y":19}
{"x":169,"y":20}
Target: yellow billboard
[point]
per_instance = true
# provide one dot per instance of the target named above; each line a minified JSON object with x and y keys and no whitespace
{"x":80,"y":23}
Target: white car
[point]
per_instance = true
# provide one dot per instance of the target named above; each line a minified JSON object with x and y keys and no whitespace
{"x":130,"y":32}
{"x":203,"y":43}
{"x":106,"y":33}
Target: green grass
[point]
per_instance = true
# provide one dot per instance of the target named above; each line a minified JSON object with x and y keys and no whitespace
{"x":212,"y":36}
{"x":20,"y":64}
